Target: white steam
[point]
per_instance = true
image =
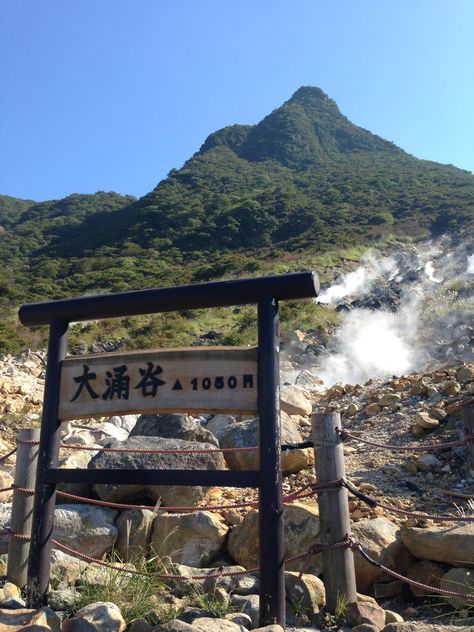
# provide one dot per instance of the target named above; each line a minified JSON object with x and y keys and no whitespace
{"x":415,"y":308}
{"x":360,"y":280}
{"x":369,"y":344}
{"x":470,"y":265}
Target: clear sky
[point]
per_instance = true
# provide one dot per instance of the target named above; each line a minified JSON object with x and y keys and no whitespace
{"x":112,"y":94}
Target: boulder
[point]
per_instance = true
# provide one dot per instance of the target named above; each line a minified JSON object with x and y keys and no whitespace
{"x":5,"y":523}
{"x":44,"y":620}
{"x":249,"y":604}
{"x":301,"y":531}
{"x":219,"y":424}
{"x":85,"y":528}
{"x":76,"y":459}
{"x":293,"y":401}
{"x":425,"y":572}
{"x":172,"y":426}
{"x":380,"y":539}
{"x":134,"y":533}
{"x":207,"y":624}
{"x":244,"y":434}
{"x":423,"y":420}
{"x":365,"y":612}
{"x":170,"y":495}
{"x":193,"y":539}
{"x":453,"y":545}
{"x":102,"y":616}
{"x":460,"y":580}
{"x":305,"y":592}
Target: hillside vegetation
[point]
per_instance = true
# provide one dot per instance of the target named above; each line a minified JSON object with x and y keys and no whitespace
{"x":272,"y":197}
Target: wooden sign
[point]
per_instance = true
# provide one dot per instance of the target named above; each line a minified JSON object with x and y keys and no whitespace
{"x":211,"y":379}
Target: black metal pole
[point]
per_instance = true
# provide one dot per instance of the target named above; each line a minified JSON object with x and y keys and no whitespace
{"x":272,"y":569}
{"x":216,"y":294}
{"x":45,"y":493}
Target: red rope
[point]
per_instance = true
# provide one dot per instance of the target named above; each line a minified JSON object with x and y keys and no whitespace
{"x":344,"y":434}
{"x":356,"y":546}
{"x":5,"y":456}
{"x":76,"y":446}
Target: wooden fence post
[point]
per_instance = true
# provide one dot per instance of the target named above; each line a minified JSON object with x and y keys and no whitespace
{"x":339,"y":573}
{"x":22,"y":507}
{"x":468,"y":418}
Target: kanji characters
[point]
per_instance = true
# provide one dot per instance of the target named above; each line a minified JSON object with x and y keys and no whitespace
{"x":84,"y":382}
{"x":118,"y":383}
{"x":149,"y":382}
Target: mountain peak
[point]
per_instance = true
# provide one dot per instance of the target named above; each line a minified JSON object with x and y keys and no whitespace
{"x":306,"y":129}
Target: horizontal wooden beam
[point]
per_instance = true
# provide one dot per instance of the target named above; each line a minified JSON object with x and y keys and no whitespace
{"x":203,"y":478}
{"x":216,"y":294}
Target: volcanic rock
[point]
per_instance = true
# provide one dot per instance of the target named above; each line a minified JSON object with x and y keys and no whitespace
{"x":172,"y":427}
{"x":102,"y":616}
{"x":193,"y":539}
{"x":453,"y":545}
{"x":84,"y":528}
{"x":170,"y":495}
{"x":301,"y":531}
{"x":244,"y":434}
{"x":380,"y":539}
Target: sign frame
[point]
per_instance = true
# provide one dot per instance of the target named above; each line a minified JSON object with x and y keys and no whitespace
{"x":265,"y":292}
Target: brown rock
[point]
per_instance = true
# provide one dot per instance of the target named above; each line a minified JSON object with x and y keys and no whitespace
{"x":459,"y":580}
{"x":45,"y":620}
{"x":301,"y":531}
{"x":380,"y":539}
{"x":453,"y":545}
{"x":425,"y":421}
{"x":372,"y":409}
{"x":425,"y":572}
{"x":365,"y":612}
{"x":193,"y":539}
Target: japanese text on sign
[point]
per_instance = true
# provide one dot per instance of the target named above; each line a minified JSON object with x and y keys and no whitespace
{"x":185,"y":380}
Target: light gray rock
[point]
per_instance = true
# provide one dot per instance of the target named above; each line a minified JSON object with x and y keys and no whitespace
{"x":5,"y":523}
{"x":85,"y":528}
{"x":193,"y":539}
{"x":459,"y":580}
{"x":134,"y":533}
{"x":306,"y":592}
{"x":102,"y":616}
{"x":44,"y":620}
{"x":453,"y":545}
{"x":301,"y":531}
{"x":380,"y":538}
{"x":244,"y":434}
{"x":173,"y":426}
{"x":240,"y":618}
{"x":76,"y":459}
{"x":206,"y":624}
{"x":249,"y":604}
{"x":293,"y":401}
{"x":219,"y":424}
{"x":170,"y":495}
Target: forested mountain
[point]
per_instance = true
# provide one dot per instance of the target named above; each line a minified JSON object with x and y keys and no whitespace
{"x":303,"y":180}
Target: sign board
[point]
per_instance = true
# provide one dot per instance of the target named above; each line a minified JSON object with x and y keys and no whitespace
{"x":195,"y":380}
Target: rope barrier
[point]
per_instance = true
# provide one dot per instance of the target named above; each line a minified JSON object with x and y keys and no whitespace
{"x":371,"y":502}
{"x":299,"y":493}
{"x":347,"y":542}
{"x":6,"y":456}
{"x":357,"y":547}
{"x":344,"y":434}
{"x":77,"y":446}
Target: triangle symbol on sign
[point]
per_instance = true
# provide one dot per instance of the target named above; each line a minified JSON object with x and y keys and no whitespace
{"x":177,"y":386}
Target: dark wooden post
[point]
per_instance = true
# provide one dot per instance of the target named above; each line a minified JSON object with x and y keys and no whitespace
{"x":45,"y":493}
{"x":22,"y":506}
{"x":468,"y":418}
{"x":272,"y":568}
{"x":339,"y":573}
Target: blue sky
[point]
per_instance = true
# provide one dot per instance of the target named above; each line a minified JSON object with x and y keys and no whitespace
{"x":112,"y":94}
